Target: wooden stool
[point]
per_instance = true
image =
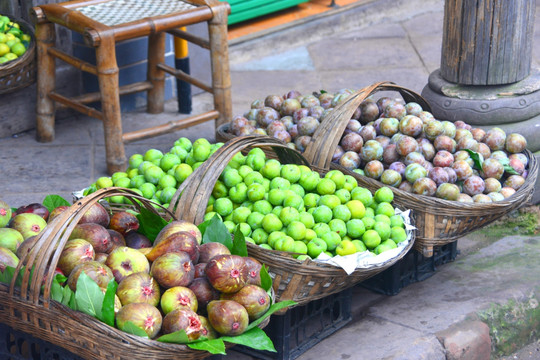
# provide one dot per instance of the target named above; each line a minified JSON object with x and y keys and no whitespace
{"x":104,"y":22}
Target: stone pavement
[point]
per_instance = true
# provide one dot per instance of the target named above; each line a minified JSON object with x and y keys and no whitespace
{"x":391,"y":40}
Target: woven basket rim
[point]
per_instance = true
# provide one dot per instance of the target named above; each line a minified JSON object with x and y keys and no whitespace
{"x":27,"y":62}
{"x":27,"y":57}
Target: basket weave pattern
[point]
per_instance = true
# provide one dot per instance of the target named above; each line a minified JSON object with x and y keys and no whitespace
{"x":21,"y":72}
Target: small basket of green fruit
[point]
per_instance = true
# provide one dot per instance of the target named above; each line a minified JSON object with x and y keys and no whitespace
{"x":17,"y":54}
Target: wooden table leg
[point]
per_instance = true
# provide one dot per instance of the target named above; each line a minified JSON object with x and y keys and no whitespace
{"x":156,"y":55}
{"x":46,"y":81}
{"x":110,"y":104}
{"x":219,"y":55}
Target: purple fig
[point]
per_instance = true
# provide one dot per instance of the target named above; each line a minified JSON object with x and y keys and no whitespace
{"x":254,"y":298}
{"x":183,"y":319}
{"x":7,"y":258}
{"x":98,"y":272}
{"x":143,"y":315}
{"x":138,"y":288}
{"x":173,"y":269}
{"x":124,"y":222}
{"x":95,"y":234}
{"x":96,"y":214}
{"x":125,"y":261}
{"x":178,"y":297}
{"x":117,"y":239}
{"x":228,"y":317}
{"x":34,"y":208}
{"x":75,"y":252}
{"x":135,"y":240}
{"x":227,"y":273}
{"x":209,"y":250}
{"x":204,"y":292}
{"x":177,"y":226}
{"x":180,"y":241}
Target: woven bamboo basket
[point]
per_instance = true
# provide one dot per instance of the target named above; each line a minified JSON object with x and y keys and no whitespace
{"x":438,"y":221}
{"x":21,"y":72}
{"x":292,"y":280}
{"x":30,"y":310}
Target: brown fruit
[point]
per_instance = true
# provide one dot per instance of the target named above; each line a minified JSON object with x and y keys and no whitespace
{"x":199,"y":270}
{"x":95,"y":234}
{"x":227,"y":273}
{"x":177,"y":226}
{"x":135,"y":240}
{"x":228,"y":317}
{"x":97,"y":271}
{"x":138,"y":288}
{"x":143,"y":315}
{"x":180,"y":241}
{"x":124,"y":222}
{"x":57,"y":211}
{"x":209,"y":250}
{"x":117,"y":239}
{"x":254,"y":299}
{"x":96,"y":214}
{"x":204,"y":292}
{"x":75,"y":252}
{"x":254,"y":271}
{"x":173,"y":269}
{"x":183,"y":319}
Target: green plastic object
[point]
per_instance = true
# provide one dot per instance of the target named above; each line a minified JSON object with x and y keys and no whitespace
{"x":242,"y":10}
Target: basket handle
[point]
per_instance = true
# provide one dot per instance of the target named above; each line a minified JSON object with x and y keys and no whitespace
{"x":320,"y":150}
{"x":49,"y":244}
{"x":192,"y":196}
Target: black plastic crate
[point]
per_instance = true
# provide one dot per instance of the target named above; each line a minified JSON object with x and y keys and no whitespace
{"x":413,"y":267}
{"x":302,"y":327}
{"x":17,"y":345}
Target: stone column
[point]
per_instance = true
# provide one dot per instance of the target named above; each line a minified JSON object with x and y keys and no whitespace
{"x":485,"y":78}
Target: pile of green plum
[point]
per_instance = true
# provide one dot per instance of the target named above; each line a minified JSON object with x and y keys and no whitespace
{"x":283,"y":207}
{"x":291,"y":208}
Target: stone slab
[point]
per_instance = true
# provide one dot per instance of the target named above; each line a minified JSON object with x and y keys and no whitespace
{"x":467,"y":340}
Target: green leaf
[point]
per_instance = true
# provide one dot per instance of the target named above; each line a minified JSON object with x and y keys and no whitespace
{"x":68,"y":298}
{"x":57,"y":291}
{"x":202,"y":226}
{"x":254,"y":338}
{"x":133,"y":329}
{"x":7,"y":275}
{"x":239,"y":243}
{"x":477,"y":158}
{"x":213,"y":346}
{"x":60,"y":278}
{"x":216,"y":231}
{"x":91,"y":189}
{"x":323,"y":91}
{"x":177,"y":337}
{"x":507,"y":168}
{"x":51,"y":202}
{"x":107,"y":308}
{"x":266,"y":279}
{"x":150,"y":224}
{"x":88,"y":296}
{"x":273,"y":308}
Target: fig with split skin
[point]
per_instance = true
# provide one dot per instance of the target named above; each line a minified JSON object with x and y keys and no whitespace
{"x":183,"y":319}
{"x":123,"y":222}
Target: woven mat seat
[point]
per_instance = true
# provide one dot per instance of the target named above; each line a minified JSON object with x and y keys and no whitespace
{"x":118,"y":12}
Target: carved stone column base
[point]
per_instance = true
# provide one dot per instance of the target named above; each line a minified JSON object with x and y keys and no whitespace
{"x":513,"y":107}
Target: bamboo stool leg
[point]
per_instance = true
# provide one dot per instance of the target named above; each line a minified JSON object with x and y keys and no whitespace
{"x":110,"y":104}
{"x":46,"y":81}
{"x":219,"y":59}
{"x":156,"y":55}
